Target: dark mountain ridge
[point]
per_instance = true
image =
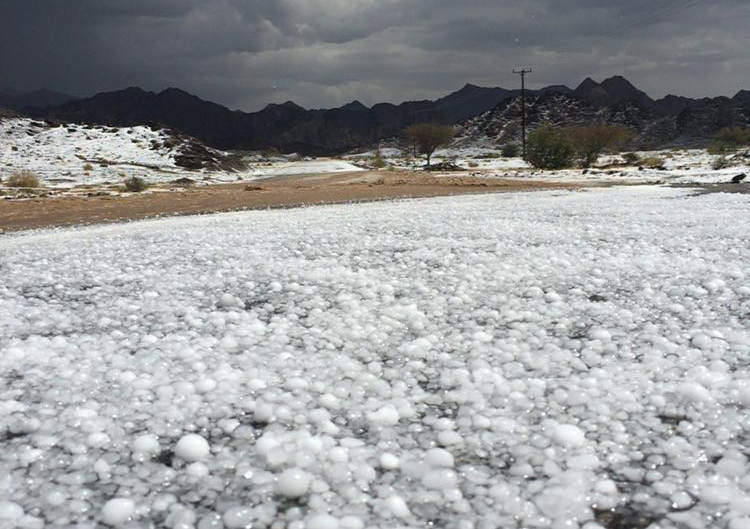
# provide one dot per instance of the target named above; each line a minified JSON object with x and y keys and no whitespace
{"x":612,"y":91}
{"x":289,"y":127}
{"x":36,"y":99}
{"x":695,"y":125}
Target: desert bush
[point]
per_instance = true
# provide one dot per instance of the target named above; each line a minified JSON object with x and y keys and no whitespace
{"x":730,"y":139}
{"x":510,"y":150}
{"x":135,"y":184}
{"x":546,"y":148}
{"x":631,"y":158}
{"x":88,"y":167}
{"x":378,"y":162}
{"x":427,"y":137}
{"x":473,"y":164}
{"x":23,"y":179}
{"x":720,"y":162}
{"x":652,"y":162}
{"x":591,"y":141}
{"x":271,"y":152}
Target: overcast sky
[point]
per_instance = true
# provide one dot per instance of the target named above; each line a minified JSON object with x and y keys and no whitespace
{"x":322,"y":53}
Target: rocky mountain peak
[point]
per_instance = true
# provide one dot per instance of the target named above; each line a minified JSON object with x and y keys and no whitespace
{"x":354,"y":106}
{"x":587,"y":84}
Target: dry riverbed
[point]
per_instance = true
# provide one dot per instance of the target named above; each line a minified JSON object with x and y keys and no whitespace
{"x":95,"y":205}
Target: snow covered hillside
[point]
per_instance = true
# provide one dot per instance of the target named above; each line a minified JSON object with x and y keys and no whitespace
{"x":74,"y":154}
{"x":91,"y":154}
{"x":547,"y":360}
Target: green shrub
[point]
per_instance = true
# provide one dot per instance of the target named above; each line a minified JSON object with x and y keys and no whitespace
{"x":23,"y":179}
{"x":546,"y":148}
{"x":135,"y":184}
{"x":378,"y":162}
{"x":510,"y":150}
{"x":730,"y":139}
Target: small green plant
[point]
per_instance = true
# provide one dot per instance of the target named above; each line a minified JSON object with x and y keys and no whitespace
{"x":23,"y":179}
{"x":548,"y":149}
{"x":378,"y":162}
{"x":135,"y":184}
{"x":510,"y":150}
{"x":88,"y":167}
{"x":721,"y":162}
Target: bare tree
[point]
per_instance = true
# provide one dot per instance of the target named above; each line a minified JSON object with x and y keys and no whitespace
{"x":429,"y":136}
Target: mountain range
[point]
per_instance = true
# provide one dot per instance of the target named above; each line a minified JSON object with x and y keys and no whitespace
{"x":672,"y":120}
{"x":655,"y":124}
{"x":35,"y":99}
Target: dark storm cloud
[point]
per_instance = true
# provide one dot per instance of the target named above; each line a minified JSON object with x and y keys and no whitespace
{"x":245,"y":53}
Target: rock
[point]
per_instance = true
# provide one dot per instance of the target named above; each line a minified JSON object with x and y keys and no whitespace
{"x":443,"y":166}
{"x":739,"y":178}
{"x":184,"y":181}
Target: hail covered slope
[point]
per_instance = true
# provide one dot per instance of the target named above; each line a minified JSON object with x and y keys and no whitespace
{"x":83,"y":154}
{"x":547,"y":360}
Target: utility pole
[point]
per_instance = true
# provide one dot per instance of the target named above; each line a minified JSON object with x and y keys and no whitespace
{"x":522,"y":72}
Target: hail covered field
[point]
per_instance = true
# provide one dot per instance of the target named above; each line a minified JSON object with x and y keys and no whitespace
{"x":549,"y":360}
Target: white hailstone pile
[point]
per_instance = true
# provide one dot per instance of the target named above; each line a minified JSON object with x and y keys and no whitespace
{"x":551,"y":360}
